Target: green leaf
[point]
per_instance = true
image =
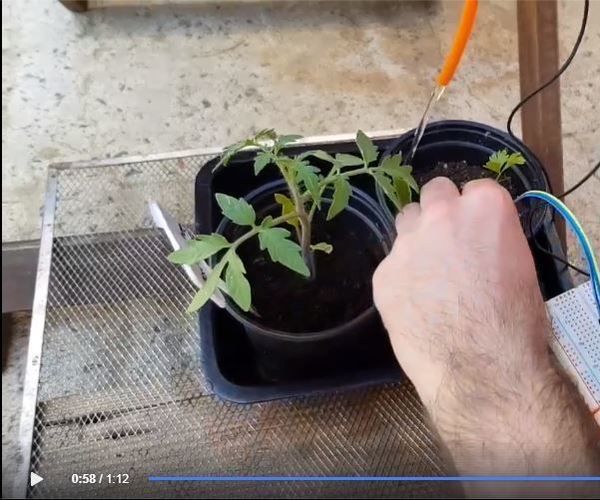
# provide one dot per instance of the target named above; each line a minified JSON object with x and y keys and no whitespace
{"x":515,"y":159}
{"x":283,"y":250}
{"x":205,"y":293}
{"x":367,"y":149}
{"x":403,"y":191}
{"x":307,"y":174}
{"x":348,"y":160}
{"x":238,"y":287}
{"x":341,"y":197}
{"x":497,"y":161}
{"x":266,"y":134}
{"x":392,"y":166}
{"x":501,"y":161}
{"x":286,"y":163}
{"x":388,"y":188}
{"x":287,"y":207}
{"x":266,"y":222}
{"x":409,"y":179}
{"x":236,"y":210}
{"x":261,"y":160}
{"x":322,"y":247}
{"x":235,"y":262}
{"x":231,"y":151}
{"x":282,"y":140}
{"x":199,"y":249}
{"x":321,"y":155}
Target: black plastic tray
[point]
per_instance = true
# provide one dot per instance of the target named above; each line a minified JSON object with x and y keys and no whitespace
{"x":227,"y":357}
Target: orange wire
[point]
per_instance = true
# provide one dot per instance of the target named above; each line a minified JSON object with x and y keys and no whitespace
{"x":467,"y":19}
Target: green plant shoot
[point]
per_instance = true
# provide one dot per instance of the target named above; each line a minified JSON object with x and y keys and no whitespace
{"x":500,"y":161}
{"x":309,"y":188}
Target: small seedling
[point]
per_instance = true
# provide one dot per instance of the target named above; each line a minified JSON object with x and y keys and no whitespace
{"x":500,"y":161}
{"x":308,"y":186}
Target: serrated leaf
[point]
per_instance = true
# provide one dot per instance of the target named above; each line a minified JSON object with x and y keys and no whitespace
{"x":341,"y":196}
{"x":321,"y":155}
{"x":391,"y":163}
{"x":205,"y":293}
{"x":322,"y":247}
{"x":278,"y":232}
{"x":236,"y":210}
{"x":409,"y":179}
{"x":348,"y":160}
{"x":231,"y":151}
{"x":282,"y":140}
{"x":497,"y":161}
{"x":493,"y":166}
{"x":283,"y":250}
{"x":286,"y":163}
{"x":500,"y":156}
{"x":287,"y":207}
{"x":266,"y":134}
{"x":238,"y":287}
{"x":392,"y":166}
{"x":368,"y":150}
{"x":403,"y":191}
{"x":307,"y":174}
{"x":266,"y":222}
{"x":515,"y":159}
{"x":235,"y":262}
{"x":261,"y":160}
{"x":199,"y":249}
{"x":388,"y":188}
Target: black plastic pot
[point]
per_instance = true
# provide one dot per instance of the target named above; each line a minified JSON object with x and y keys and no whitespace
{"x":283,"y":355}
{"x":231,"y":346}
{"x":456,"y":140}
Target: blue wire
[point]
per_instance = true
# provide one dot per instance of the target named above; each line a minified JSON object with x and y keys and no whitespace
{"x":575,"y":226}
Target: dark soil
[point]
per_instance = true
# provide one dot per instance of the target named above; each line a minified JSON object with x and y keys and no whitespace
{"x":341,"y":290}
{"x":461,"y":173}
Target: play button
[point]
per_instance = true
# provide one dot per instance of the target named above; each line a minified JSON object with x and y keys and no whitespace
{"x":35,"y":479}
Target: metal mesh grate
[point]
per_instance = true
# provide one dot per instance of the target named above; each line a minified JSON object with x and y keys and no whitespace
{"x":121,"y":389}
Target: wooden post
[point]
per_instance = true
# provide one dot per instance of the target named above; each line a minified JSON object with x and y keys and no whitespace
{"x":75,"y":5}
{"x":537,"y":22}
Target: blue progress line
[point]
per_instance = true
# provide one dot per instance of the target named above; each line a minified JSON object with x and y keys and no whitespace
{"x":371,"y":478}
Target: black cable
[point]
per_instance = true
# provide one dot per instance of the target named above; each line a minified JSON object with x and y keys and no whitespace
{"x":548,"y":252}
{"x":595,"y":169}
{"x":562,"y":69}
{"x":560,"y":259}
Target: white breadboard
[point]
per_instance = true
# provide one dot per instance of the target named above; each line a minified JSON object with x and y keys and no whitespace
{"x":576,"y":340}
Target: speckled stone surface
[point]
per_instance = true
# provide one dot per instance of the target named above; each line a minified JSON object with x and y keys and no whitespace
{"x":124,"y":81}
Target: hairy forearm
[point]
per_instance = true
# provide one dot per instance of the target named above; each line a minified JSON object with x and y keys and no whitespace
{"x":526,"y":421}
{"x":459,"y":296}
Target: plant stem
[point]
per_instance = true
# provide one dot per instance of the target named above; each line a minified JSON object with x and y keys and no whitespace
{"x":305,"y":232}
{"x":256,"y":229}
{"x":333,"y":175}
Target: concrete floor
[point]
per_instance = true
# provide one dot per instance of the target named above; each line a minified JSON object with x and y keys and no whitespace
{"x":123,"y":81}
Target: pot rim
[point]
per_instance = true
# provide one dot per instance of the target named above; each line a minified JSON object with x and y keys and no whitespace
{"x":487,"y":130}
{"x":386,"y":241}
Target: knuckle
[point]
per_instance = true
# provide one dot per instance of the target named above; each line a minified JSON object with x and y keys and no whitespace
{"x":439,"y":211}
{"x":489,"y":191}
{"x":439,"y":183}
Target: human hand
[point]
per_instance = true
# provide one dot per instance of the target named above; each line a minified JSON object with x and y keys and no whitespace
{"x":458,"y":294}
{"x":459,"y":279}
